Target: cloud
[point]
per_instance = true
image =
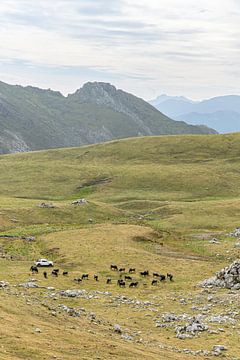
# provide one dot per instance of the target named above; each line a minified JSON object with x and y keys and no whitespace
{"x":146,"y":47}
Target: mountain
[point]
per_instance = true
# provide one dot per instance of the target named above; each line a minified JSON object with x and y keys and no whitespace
{"x":223,"y":121}
{"x":222,"y":112}
{"x":34,"y":119}
{"x":162,"y":98}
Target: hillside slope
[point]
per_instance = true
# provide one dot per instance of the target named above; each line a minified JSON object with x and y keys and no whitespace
{"x":165,"y":167}
{"x":33,"y":119}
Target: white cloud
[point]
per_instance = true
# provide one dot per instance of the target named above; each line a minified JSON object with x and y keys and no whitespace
{"x":180,"y":47}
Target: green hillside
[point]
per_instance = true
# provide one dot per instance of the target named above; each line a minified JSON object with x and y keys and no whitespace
{"x":33,"y":119}
{"x":161,"y":168}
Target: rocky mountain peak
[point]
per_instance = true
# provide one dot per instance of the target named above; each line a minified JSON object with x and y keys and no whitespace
{"x":97,"y":92}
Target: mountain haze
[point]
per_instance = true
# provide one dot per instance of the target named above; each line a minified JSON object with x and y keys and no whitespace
{"x":34,"y":119}
{"x":221,"y":112}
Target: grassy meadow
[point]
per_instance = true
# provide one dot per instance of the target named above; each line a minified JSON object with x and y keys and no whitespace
{"x":153,"y":203}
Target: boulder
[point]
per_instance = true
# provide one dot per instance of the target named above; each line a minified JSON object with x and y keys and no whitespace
{"x":47,"y":206}
{"x":3,"y":284}
{"x":117,"y":329}
{"x":80,"y":202}
{"x":235,"y":233}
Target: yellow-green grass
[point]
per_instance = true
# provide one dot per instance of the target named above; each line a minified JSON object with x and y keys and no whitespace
{"x":93,"y":250}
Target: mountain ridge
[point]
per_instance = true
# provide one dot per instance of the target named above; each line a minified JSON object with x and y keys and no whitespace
{"x":33,"y":119}
{"x":222,"y":112}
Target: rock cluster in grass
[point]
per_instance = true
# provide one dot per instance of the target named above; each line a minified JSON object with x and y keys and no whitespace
{"x":80,"y":202}
{"x":228,"y":278}
{"x":235,"y":233}
{"x":46,"y":205}
{"x":214,"y":241}
{"x":190,"y":329}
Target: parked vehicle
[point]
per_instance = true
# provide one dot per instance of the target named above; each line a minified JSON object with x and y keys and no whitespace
{"x":43,"y":262}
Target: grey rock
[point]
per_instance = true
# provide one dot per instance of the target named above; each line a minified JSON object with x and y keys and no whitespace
{"x":73,"y":293}
{"x":80,"y":202}
{"x":29,"y":285}
{"x":3,"y":284}
{"x":29,"y":238}
{"x":214,"y":241}
{"x":235,"y":233}
{"x":37,"y":330}
{"x":117,"y":329}
{"x":127,"y":337}
{"x":219,"y":348}
{"x":46,"y":206}
{"x":222,"y":319}
{"x":228,"y":277}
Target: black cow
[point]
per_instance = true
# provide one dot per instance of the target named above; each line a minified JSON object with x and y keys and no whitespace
{"x":84,"y":276}
{"x":170,"y":276}
{"x":162,"y":277}
{"x":122,"y":270}
{"x":109,"y":281}
{"x":121,"y":283}
{"x":78,"y":280}
{"x":127,"y":277}
{"x":133,"y":284}
{"x":154,"y":282}
{"x":65,"y":273}
{"x":156,"y":275}
{"x":34,"y":269}
{"x":45,"y":274}
{"x":132,"y":270}
{"x":55,"y":272}
{"x":144,"y":273}
{"x":114,"y":267}
{"x":95,"y":277}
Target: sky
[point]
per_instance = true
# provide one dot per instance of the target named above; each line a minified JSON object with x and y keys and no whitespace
{"x":146,"y":47}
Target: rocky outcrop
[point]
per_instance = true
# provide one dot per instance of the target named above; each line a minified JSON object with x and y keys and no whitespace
{"x":228,"y":278}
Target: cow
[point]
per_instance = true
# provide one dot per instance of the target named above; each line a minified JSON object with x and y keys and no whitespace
{"x":154,"y":282}
{"x":55,"y":272}
{"x":109,"y":281}
{"x":144,"y":273}
{"x":170,"y":276}
{"x":133,"y":284}
{"x":156,"y":275}
{"x":78,"y":280}
{"x":114,"y":267}
{"x":121,"y":283}
{"x":84,"y":276}
{"x":132,"y":270}
{"x":95,"y":277}
{"x":45,"y":274}
{"x":65,"y":273}
{"x":162,"y":277}
{"x":34,"y":269}
{"x":127,"y":277}
{"x":122,"y":270}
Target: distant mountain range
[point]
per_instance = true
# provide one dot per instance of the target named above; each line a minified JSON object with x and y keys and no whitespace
{"x":34,"y":119}
{"x":222,"y":112}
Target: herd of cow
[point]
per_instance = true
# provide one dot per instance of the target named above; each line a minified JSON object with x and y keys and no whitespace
{"x":123,"y":280}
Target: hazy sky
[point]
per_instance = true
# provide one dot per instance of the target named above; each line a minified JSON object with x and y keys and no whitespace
{"x":146,"y":47}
